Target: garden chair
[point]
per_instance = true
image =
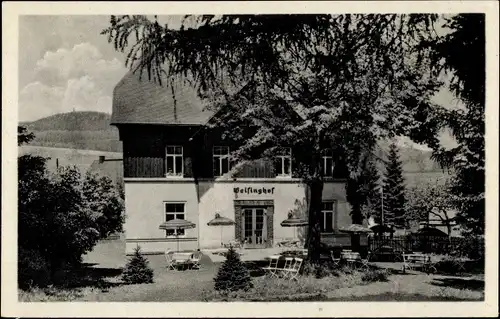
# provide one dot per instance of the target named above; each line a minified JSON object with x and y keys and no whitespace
{"x":407,"y":262}
{"x":195,"y":260}
{"x":365,"y":263}
{"x":169,"y":257}
{"x":336,"y":261}
{"x":272,"y":270}
{"x":287,"y":266}
{"x":293,"y":271}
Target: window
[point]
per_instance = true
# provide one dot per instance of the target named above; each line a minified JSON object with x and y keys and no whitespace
{"x":283,"y":164}
{"x":327,"y":212}
{"x":174,"y":211}
{"x":221,"y":160}
{"x":327,"y":166}
{"x":174,"y":161}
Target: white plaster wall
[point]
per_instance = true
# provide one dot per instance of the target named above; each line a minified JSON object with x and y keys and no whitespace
{"x":145,"y":211}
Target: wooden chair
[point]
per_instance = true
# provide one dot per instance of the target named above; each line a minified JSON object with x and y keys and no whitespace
{"x":292,"y":273}
{"x":195,"y":260}
{"x":272,"y":270}
{"x":288,"y":265}
{"x":407,"y":262}
{"x":365,"y":263}
{"x":336,"y":261}
{"x":169,"y":257}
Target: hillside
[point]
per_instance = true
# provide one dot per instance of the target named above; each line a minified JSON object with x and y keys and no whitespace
{"x":76,"y":130}
{"x":73,"y":121}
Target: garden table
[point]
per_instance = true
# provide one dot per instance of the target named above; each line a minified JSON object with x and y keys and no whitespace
{"x":350,"y":257}
{"x":182,"y":258}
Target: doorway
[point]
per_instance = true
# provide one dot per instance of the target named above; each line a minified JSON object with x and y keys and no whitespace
{"x":254,"y":227}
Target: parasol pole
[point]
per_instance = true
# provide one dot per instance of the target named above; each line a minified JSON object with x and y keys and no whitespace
{"x":221,"y":228}
{"x":177,"y":235}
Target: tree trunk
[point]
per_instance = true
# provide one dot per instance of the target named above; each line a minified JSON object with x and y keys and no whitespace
{"x":314,"y":233}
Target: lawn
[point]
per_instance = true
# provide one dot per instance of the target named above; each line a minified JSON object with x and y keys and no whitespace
{"x":101,"y":282}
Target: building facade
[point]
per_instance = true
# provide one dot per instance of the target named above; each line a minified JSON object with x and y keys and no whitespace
{"x":174,"y":167}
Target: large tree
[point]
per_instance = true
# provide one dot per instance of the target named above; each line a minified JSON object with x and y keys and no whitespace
{"x":460,"y":54}
{"x":341,"y":81}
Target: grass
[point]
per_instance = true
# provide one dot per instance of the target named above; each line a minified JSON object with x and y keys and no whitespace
{"x":390,"y":296}
{"x":101,"y":282}
{"x":274,"y":289}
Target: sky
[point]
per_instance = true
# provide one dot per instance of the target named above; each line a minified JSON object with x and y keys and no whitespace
{"x":65,"y":64}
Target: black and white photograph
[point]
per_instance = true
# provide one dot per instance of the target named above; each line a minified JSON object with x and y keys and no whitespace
{"x":254,"y":157}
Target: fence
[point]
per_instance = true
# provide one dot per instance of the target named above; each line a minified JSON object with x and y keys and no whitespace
{"x":427,"y":244}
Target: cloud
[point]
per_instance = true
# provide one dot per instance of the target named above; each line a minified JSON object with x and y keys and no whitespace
{"x":66,"y":79}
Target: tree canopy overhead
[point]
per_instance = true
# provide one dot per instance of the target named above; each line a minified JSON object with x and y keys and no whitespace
{"x":340,"y":72}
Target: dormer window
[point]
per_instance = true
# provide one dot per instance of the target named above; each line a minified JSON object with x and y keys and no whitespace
{"x":174,"y":161}
{"x":283,"y":163}
{"x":221,"y":163}
{"x":327,"y":165}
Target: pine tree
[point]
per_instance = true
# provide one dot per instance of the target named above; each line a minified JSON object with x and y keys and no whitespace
{"x":137,"y":270}
{"x":233,"y":275}
{"x":394,"y":190}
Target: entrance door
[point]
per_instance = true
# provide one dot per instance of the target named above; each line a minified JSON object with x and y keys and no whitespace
{"x":254,"y":228}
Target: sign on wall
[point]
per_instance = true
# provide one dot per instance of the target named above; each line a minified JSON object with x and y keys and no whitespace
{"x":253,"y":190}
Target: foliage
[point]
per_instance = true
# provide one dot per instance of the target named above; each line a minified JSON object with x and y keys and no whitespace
{"x":341,"y":81}
{"x":363,"y":191}
{"x":460,"y":54}
{"x":375,"y":275}
{"x":233,"y":274}
{"x":429,"y":199}
{"x":394,"y":190}
{"x":23,"y":136}
{"x":61,"y":216}
{"x":472,"y":247}
{"x":137,"y":270}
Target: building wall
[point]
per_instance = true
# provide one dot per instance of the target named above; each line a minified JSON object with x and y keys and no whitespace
{"x":144,"y":200}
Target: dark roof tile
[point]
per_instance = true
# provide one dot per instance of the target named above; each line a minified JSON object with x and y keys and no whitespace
{"x":139,"y":100}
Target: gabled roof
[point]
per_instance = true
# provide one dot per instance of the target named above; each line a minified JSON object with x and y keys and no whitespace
{"x":139,"y":100}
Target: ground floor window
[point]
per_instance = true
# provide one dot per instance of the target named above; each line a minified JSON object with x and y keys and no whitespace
{"x":174,"y":211}
{"x":327,"y":217}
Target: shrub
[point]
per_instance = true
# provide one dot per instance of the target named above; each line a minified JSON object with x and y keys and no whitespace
{"x":137,"y":270}
{"x":448,"y":265}
{"x":374,"y":275}
{"x":471,"y":247}
{"x":61,"y":217}
{"x":232,"y":275}
{"x":33,"y":269}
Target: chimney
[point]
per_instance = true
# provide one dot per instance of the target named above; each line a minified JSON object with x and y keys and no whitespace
{"x":101,"y":159}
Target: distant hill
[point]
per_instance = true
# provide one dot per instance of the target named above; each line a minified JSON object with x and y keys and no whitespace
{"x":73,"y":121}
{"x":76,"y":130}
